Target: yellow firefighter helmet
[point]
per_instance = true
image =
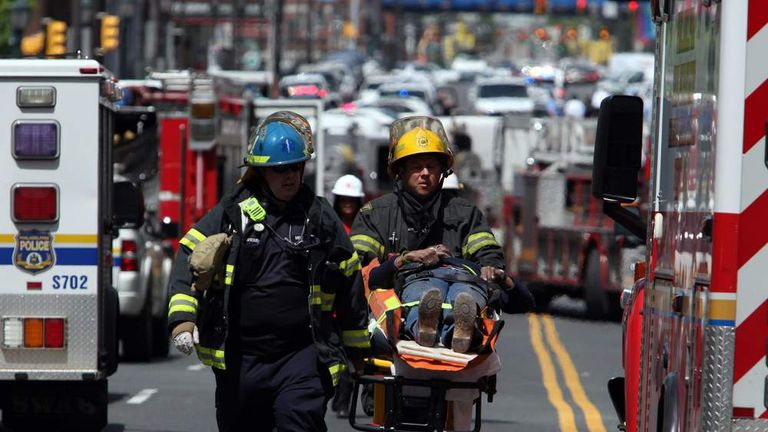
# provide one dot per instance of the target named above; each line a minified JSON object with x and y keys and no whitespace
{"x":417,"y":135}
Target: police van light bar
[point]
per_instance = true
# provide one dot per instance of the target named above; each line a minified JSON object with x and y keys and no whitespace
{"x":34,"y":332}
{"x":36,"y":97}
{"x":36,"y":140}
{"x":38,"y":204}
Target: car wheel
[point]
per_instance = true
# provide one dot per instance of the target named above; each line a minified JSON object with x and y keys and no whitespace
{"x":160,"y":336}
{"x":137,"y":335}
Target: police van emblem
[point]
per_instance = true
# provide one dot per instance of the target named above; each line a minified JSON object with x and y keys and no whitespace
{"x":34,"y":251}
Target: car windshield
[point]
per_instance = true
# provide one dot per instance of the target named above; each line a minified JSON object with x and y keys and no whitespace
{"x":502,"y":90}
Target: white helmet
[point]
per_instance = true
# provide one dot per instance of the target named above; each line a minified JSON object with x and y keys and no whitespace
{"x":349,"y":186}
{"x":451,"y":182}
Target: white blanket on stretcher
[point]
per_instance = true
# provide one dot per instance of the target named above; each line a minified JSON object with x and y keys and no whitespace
{"x":462,"y":398}
{"x":489,"y":366}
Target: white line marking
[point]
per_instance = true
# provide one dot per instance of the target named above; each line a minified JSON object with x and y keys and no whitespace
{"x":196,"y":367}
{"x":141,"y":396}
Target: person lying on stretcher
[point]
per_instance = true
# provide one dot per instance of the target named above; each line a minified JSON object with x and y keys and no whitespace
{"x":443,"y":296}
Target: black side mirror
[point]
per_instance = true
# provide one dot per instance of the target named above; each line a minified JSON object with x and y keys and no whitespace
{"x":618,"y":149}
{"x":617,"y":158}
{"x":169,"y":230}
{"x":127,"y":205}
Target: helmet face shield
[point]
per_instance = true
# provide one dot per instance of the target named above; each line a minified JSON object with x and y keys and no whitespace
{"x":417,"y":135}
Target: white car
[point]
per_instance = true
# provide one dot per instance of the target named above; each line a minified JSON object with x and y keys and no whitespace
{"x":140,"y":272}
{"x":400,"y":107}
{"x":499,"y":96}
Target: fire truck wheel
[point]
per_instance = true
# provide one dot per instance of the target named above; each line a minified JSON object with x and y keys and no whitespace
{"x":596,"y":298}
{"x":137,"y":335}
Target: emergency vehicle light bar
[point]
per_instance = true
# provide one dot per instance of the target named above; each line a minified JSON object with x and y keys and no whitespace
{"x":36,"y":97}
{"x":34,"y":332}
{"x":35,"y":203}
{"x":35,"y":139}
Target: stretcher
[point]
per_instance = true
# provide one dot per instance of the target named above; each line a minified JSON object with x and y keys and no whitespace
{"x":417,"y":388}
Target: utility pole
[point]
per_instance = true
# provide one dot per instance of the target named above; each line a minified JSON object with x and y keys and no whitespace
{"x":275,"y":48}
{"x":236,"y":14}
{"x":310,"y":36}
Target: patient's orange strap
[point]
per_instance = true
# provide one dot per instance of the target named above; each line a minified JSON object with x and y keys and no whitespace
{"x":384,"y":304}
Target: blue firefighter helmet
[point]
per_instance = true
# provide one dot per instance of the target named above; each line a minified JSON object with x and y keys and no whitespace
{"x":277,"y":143}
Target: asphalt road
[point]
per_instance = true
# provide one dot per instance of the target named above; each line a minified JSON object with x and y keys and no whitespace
{"x":553,"y":378}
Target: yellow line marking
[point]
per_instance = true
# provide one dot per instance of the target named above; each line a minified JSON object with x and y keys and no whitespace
{"x":76,"y":238}
{"x":59,"y":238}
{"x":565,"y":416}
{"x":591,"y":414}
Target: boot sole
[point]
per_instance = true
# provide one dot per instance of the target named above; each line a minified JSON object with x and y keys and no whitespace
{"x":464,"y":315}
{"x":429,"y":313}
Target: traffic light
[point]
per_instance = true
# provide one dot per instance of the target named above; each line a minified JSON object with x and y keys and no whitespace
{"x":633,"y":6}
{"x":33,"y":44}
{"x":109,"y":34}
{"x":55,"y":37}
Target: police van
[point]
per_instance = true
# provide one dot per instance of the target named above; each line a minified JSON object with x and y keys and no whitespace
{"x":58,"y":310}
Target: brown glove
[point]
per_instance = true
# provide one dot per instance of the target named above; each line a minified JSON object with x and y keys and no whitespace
{"x":205,"y":261}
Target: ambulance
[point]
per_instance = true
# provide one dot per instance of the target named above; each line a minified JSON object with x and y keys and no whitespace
{"x":58,"y":310}
{"x":696,"y":320}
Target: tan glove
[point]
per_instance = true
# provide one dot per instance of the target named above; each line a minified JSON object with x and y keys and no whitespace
{"x":205,"y":261}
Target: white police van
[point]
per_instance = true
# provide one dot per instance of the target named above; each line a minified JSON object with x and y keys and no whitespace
{"x":57,"y":307}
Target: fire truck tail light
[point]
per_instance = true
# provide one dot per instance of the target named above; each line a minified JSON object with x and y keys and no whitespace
{"x":36,"y":140}
{"x":128,"y":261}
{"x":36,"y":97}
{"x":33,"y":333}
{"x":13,"y":333}
{"x":35,"y":204}
{"x":54,"y":332}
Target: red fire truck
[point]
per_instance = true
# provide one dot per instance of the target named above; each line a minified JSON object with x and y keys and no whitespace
{"x":557,"y":238}
{"x":696,"y":321}
{"x":185,"y":107}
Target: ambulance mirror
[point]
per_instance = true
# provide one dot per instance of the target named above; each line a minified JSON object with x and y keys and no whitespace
{"x":618,"y":147}
{"x":127,"y":205}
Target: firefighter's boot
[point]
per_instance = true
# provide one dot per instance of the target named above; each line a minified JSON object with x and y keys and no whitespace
{"x":430,"y":306}
{"x":464,"y":316}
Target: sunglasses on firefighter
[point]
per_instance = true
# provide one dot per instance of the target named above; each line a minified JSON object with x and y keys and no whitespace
{"x":282,"y":169}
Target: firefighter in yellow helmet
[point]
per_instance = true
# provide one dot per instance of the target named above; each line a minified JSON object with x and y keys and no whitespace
{"x":419,"y":224}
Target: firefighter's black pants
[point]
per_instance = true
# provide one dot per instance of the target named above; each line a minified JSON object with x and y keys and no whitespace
{"x":290,"y":394}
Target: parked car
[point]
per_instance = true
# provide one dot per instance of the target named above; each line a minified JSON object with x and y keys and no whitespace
{"x":499,"y":96}
{"x":308,"y":86}
{"x":141,"y":270}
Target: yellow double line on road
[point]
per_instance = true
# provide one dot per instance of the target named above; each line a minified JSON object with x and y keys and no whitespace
{"x":565,"y":414}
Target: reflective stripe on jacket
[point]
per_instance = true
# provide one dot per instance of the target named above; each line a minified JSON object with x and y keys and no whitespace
{"x":380,"y":229}
{"x":333,"y":266}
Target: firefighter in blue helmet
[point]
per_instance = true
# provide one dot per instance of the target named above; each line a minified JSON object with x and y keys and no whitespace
{"x":255,"y":286}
